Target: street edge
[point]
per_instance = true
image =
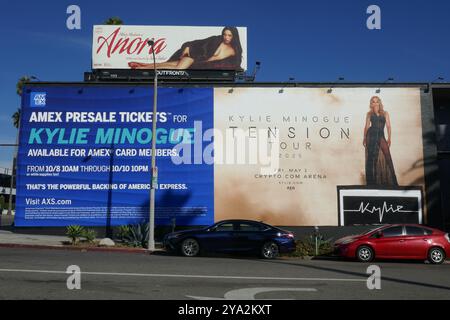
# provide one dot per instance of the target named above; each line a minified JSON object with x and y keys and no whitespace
{"x":82,"y":249}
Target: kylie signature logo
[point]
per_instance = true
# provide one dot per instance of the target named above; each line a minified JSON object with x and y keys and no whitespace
{"x":384,"y":209}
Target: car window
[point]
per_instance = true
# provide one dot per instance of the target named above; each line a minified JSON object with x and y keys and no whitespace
{"x":393,"y":232}
{"x":247,"y":226}
{"x":225,"y":227}
{"x":375,"y":235}
{"x":414,"y":231}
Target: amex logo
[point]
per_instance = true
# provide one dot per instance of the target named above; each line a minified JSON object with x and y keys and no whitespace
{"x":38,"y":99}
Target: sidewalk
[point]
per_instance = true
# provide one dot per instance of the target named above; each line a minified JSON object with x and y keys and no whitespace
{"x":8,"y":237}
{"x":13,"y":238}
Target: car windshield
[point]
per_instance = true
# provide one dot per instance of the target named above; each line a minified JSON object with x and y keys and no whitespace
{"x":371,"y":230}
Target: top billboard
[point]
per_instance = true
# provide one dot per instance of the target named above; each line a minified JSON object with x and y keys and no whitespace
{"x":175,"y":47}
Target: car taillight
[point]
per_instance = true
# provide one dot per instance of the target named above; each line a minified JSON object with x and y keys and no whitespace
{"x":447,"y":237}
{"x":289,"y":235}
{"x":285,"y":235}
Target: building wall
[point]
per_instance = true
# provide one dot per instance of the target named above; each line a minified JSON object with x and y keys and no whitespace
{"x":441,"y":101}
{"x":413,"y":149}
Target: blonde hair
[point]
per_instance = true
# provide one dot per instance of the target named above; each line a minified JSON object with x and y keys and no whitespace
{"x":381,"y":105}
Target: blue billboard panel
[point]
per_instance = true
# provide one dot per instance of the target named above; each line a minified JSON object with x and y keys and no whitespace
{"x":85,"y":156}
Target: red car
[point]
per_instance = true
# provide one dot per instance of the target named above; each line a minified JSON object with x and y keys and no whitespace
{"x":397,"y":241}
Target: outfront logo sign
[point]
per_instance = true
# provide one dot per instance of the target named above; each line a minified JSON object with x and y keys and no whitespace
{"x":38,"y":99}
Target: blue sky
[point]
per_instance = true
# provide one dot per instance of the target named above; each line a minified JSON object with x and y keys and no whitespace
{"x":311,"y":41}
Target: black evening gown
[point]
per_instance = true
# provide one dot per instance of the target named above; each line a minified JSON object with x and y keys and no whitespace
{"x":203,"y":49}
{"x":379,"y":166}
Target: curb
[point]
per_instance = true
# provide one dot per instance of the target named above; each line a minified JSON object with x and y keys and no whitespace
{"x":93,"y":249}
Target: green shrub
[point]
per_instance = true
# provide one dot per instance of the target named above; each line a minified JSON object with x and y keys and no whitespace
{"x":75,"y":232}
{"x":307,"y":246}
{"x":137,"y":235}
{"x":90,"y":235}
{"x":122,"y":232}
{"x":301,"y":250}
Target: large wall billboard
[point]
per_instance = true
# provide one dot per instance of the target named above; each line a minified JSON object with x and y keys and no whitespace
{"x":321,"y":146}
{"x":245,"y":152}
{"x":84,"y":156}
{"x":175,"y":47}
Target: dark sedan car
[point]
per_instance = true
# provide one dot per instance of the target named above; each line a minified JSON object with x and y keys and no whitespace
{"x":401,"y":241}
{"x":231,"y":236}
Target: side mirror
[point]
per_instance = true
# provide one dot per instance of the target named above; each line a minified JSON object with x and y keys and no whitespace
{"x":379,"y":234}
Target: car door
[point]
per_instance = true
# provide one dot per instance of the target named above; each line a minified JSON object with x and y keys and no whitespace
{"x":219,"y":238}
{"x":416,"y":243}
{"x":391,"y":243}
{"x":248,"y":236}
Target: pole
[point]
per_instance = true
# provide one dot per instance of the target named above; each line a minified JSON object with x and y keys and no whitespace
{"x":151,"y":233}
{"x":317,"y":251}
{"x":11,"y":186}
{"x":316,"y":234}
{"x":14,"y":166}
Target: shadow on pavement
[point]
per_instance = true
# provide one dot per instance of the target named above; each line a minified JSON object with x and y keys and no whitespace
{"x":236,"y":256}
{"x":364,"y":275}
{"x":398,"y":261}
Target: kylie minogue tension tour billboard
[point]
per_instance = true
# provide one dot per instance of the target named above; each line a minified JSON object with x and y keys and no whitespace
{"x":248,"y":153}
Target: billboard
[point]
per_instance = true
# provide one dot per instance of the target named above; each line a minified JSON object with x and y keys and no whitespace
{"x":175,"y":47}
{"x":244,"y":152}
{"x":320,"y":138}
{"x":85,"y":156}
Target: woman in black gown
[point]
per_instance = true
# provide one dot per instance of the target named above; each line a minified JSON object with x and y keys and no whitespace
{"x":216,"y":52}
{"x":379,"y":166}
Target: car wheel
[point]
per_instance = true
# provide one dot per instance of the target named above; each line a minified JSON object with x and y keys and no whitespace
{"x":364,"y":254}
{"x":270,"y":250}
{"x":190,"y":247}
{"x":436,"y":256}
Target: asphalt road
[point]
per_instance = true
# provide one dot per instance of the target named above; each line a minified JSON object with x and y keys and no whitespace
{"x":41,"y":274}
